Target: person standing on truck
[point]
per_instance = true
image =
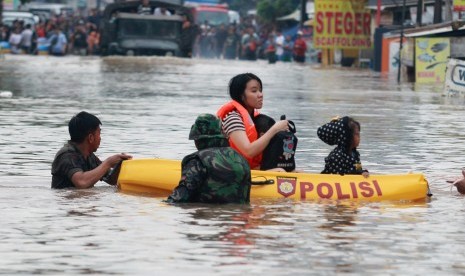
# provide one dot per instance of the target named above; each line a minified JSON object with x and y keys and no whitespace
{"x":161,"y":11}
{"x":144,"y":8}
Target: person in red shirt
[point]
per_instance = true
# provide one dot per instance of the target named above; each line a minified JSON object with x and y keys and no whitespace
{"x":40,"y":30}
{"x":270,"y":49}
{"x":300,"y":47}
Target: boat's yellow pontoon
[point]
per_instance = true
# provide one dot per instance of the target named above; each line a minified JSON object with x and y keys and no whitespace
{"x":159,"y":177}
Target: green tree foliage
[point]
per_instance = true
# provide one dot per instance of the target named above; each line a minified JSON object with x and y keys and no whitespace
{"x":266,"y":10}
{"x":269,"y":10}
{"x":242,"y":6}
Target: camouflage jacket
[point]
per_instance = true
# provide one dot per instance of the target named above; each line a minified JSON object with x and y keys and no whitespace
{"x":213,"y":175}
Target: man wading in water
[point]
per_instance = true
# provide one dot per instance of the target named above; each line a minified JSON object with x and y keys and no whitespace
{"x":75,"y":164}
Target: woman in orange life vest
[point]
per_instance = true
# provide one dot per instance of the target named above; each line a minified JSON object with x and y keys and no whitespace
{"x":236,"y":116}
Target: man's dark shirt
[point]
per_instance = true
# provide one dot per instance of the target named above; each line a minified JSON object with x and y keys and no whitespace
{"x":67,"y":162}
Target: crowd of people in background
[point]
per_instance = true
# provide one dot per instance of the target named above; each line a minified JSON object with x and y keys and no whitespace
{"x":61,"y":34}
{"x":79,"y":35}
{"x":247,"y":41}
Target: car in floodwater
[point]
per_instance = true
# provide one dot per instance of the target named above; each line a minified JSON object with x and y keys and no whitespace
{"x":124,"y":32}
{"x":8,"y":17}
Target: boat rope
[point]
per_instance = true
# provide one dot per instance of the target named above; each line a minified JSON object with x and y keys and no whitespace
{"x":429,"y":194}
{"x":262,"y":182}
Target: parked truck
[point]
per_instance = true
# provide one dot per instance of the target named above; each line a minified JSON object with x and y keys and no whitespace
{"x":209,"y":11}
{"x":124,"y":32}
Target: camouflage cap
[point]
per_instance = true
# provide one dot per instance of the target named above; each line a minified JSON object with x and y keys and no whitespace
{"x":206,"y":126}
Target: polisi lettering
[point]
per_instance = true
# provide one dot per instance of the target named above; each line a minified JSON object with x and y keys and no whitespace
{"x":324,"y":190}
{"x":364,"y":189}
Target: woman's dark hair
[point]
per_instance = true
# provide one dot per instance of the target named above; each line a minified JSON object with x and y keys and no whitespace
{"x":352,"y":124}
{"x":81,"y":125}
{"x":238,"y":84}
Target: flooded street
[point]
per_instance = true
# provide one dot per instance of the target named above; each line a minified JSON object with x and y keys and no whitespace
{"x":147,"y":106}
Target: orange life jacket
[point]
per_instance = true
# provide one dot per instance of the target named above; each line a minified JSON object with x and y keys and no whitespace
{"x":249,"y":128}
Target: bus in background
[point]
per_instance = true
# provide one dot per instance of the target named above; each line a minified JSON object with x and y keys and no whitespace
{"x":209,"y":10}
{"x":46,"y":10}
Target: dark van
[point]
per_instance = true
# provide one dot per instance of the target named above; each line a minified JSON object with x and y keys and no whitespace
{"x":124,"y":32}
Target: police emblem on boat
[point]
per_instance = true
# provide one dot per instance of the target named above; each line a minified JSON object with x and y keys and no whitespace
{"x":286,"y":185}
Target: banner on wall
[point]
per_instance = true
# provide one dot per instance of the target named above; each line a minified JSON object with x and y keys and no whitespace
{"x":394,"y":56}
{"x":342,"y":24}
{"x":459,"y":5}
{"x":431,"y":57}
{"x":455,"y":77}
{"x":8,"y":5}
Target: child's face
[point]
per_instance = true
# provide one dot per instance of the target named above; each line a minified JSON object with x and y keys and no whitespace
{"x":356,"y":138}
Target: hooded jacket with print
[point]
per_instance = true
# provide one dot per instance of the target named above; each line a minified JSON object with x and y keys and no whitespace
{"x":342,"y":160}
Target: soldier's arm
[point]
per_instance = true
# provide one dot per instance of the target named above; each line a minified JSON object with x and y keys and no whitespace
{"x":192,"y":176}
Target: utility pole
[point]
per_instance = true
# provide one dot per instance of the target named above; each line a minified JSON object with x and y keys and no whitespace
{"x":1,"y":10}
{"x":303,"y":12}
{"x":378,"y":13}
{"x":437,"y":11}
{"x":420,"y":7}
{"x":448,"y":13}
{"x":401,"y":41}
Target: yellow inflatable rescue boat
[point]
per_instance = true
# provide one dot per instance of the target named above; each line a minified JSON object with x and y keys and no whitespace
{"x":158,"y":177}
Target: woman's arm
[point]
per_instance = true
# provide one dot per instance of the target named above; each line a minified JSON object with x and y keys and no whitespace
{"x":253,"y":149}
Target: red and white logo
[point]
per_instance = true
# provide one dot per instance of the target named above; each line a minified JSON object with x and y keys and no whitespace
{"x":286,"y":186}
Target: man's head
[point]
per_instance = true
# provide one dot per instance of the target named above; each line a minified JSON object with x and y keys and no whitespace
{"x":85,"y":127}
{"x":206,"y":132}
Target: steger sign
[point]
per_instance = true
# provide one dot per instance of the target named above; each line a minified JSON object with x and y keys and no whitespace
{"x":347,"y":23}
{"x":342,"y":25}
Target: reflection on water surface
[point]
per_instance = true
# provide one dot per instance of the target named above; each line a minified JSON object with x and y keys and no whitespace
{"x":147,"y":106}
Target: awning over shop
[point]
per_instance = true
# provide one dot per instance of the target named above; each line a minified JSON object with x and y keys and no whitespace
{"x":373,"y":4}
{"x":444,"y":28}
{"x":295,"y":15}
{"x":308,"y":22}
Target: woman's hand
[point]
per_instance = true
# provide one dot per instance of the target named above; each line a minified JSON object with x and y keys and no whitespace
{"x":282,"y":125}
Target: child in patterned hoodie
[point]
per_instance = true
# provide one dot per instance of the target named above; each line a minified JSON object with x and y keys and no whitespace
{"x":344,"y":159}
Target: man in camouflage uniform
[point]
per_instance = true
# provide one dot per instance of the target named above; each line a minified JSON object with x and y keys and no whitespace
{"x":215,"y":173}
